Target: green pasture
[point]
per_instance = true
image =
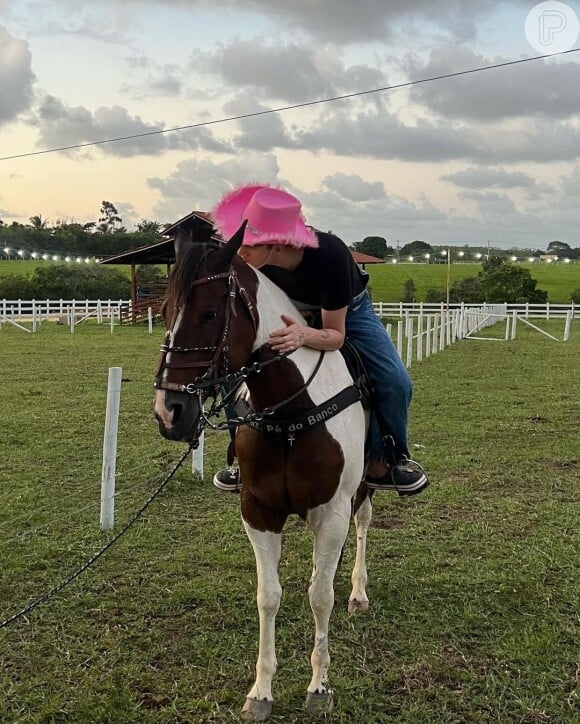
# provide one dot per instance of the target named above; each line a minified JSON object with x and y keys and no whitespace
{"x":474,"y":585}
{"x":387,"y":280}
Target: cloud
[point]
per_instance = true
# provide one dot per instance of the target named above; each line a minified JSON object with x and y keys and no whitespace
{"x":352,"y":187}
{"x":353,"y":208}
{"x":127,"y":212}
{"x":475,"y":178}
{"x":198,"y":184}
{"x":376,"y":133}
{"x":16,"y":76}
{"x":292,"y":72}
{"x":160,"y":80}
{"x":344,"y":21}
{"x":60,"y":125}
{"x":571,"y":185}
{"x":540,"y":89}
{"x":258,"y":133}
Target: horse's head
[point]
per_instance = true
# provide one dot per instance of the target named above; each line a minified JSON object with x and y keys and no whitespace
{"x":211,"y":321}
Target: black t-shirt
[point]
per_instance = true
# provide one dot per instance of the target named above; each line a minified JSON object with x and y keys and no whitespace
{"x":326,"y":278}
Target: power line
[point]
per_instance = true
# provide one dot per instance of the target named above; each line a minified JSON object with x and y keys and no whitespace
{"x":281,"y":109}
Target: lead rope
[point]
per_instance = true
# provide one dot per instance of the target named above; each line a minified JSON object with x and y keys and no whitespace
{"x":69,"y":579}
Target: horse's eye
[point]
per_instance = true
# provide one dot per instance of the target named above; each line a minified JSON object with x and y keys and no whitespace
{"x":209,"y":316}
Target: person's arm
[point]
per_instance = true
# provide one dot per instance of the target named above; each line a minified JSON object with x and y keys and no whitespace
{"x":294,"y":334}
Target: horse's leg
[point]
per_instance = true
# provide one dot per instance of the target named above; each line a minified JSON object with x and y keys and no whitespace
{"x":267,"y":548}
{"x":358,"y":600}
{"x":330,"y":525}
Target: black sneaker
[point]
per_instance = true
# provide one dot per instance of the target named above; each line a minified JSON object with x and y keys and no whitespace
{"x":228,"y":480}
{"x":407,"y":478}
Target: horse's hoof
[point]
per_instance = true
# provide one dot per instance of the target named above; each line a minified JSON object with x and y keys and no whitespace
{"x":356,"y":606}
{"x":319,"y":703}
{"x":256,"y":710}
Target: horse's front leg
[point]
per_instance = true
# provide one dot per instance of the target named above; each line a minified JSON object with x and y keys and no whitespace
{"x":330,"y":524}
{"x":267,"y":548}
{"x":358,"y":600}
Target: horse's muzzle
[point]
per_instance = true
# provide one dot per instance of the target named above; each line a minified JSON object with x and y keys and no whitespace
{"x":177,"y":414}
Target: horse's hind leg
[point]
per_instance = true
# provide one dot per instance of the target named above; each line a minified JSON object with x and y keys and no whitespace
{"x":267,"y":548}
{"x":358,"y":600}
{"x":330,"y":527}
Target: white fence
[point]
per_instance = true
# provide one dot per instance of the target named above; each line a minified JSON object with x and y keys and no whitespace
{"x":47,"y":309}
{"x":527,"y":310}
{"x":41,"y":309}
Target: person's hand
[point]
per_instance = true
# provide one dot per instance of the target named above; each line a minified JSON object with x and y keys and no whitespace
{"x":288,"y":338}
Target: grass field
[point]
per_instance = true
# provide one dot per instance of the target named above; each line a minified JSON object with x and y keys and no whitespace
{"x":474,"y":585}
{"x":387,"y":280}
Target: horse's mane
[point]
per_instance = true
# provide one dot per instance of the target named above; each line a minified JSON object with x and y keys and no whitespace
{"x":187,"y":266}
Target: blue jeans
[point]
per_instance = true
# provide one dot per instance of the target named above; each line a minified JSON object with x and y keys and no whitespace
{"x":392,"y":385}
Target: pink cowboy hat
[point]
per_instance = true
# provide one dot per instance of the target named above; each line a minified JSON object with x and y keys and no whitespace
{"x":273,"y":215}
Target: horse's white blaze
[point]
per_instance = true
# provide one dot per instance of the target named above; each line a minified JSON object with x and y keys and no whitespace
{"x":172,"y":333}
{"x":159,"y":407}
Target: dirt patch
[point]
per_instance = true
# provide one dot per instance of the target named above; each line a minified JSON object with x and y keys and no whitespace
{"x":387,"y":522}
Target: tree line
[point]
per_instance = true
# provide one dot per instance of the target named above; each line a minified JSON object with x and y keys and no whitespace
{"x":99,"y":238}
{"x":379,"y":247}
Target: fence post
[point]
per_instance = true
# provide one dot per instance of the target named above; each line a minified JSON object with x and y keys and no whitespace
{"x":409,"y":341}
{"x":514,"y":324}
{"x":150,"y":319}
{"x":420,"y":337}
{"x":400,"y":338}
{"x":434,"y":337}
{"x":567,"y":326}
{"x":110,"y":448}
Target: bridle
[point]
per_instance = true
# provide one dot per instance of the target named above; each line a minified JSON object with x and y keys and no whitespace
{"x":216,"y":368}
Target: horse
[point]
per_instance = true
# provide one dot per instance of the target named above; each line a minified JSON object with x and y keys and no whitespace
{"x":300,"y":451}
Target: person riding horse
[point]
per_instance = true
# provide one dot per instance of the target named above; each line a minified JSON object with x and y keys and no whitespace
{"x":317,"y":271}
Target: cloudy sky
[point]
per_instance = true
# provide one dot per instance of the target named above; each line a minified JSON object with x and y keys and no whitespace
{"x":490,"y":156}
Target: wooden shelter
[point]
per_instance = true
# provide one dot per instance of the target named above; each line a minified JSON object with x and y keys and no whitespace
{"x":160,"y":252}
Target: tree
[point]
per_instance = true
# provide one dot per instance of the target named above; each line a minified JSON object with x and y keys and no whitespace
{"x":416,"y":248}
{"x":372,"y":245}
{"x":149,"y":227}
{"x":435,"y":295}
{"x":409,"y":290}
{"x":37,"y":222}
{"x":558,"y":247}
{"x":109,"y":220}
{"x":503,"y":282}
{"x":468,"y":289}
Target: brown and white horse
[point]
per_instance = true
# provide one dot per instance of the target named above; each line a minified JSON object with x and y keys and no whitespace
{"x":219,"y":314}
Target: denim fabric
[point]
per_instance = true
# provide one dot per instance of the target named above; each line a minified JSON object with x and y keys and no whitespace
{"x":392,"y":385}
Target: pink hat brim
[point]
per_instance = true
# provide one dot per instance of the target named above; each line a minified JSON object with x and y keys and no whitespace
{"x":228,"y":216}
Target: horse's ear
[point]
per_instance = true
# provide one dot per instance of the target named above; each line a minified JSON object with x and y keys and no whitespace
{"x":231,"y":248}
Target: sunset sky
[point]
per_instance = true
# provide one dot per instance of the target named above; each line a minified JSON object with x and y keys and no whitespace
{"x":490,"y":156}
